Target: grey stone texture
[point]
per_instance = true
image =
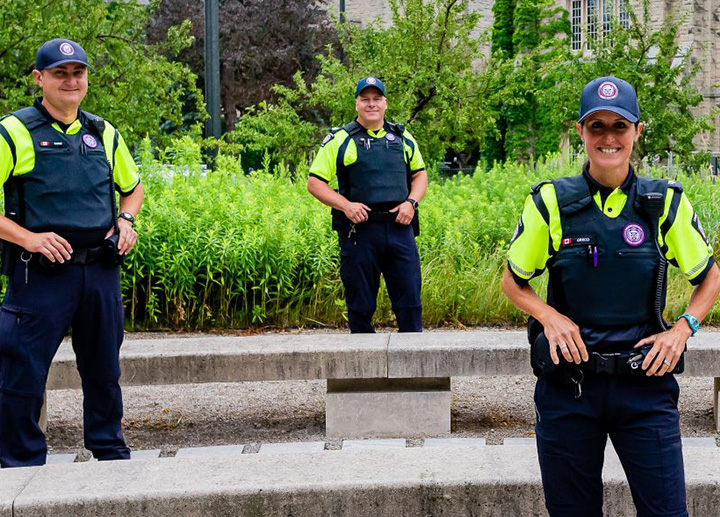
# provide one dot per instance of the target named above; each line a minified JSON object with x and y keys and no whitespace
{"x":291,"y":447}
{"x":373,"y":445}
{"x":453,"y":442}
{"x":365,"y":408}
{"x":459,"y":481}
{"x":217,"y":450}
{"x":56,"y":459}
{"x":379,"y":385}
{"x":232,"y":359}
{"x":456,"y":354}
{"x":12,"y":482}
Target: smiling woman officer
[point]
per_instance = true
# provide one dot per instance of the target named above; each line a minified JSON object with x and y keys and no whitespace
{"x":602,"y":352}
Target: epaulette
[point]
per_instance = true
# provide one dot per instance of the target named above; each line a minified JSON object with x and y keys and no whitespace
{"x":536,"y":188}
{"x":397,"y":127}
{"x":676,"y":185}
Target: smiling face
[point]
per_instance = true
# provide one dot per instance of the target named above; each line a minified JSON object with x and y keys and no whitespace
{"x":370,"y":106}
{"x":64,"y":87}
{"x":609,"y":140}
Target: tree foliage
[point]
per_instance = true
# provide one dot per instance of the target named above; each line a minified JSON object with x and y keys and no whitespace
{"x":540,"y":33}
{"x":131,"y":83}
{"x":262,"y":43}
{"x":537,"y":88}
{"x":663,"y":75}
{"x":430,"y":61}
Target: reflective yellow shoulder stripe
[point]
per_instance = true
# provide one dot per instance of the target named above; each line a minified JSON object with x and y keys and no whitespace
{"x":24,"y":151}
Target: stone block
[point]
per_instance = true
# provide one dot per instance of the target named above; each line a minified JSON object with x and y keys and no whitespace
{"x":151,"y":454}
{"x":453,"y":442}
{"x":373,"y":445}
{"x":383,"y":408}
{"x":291,"y":448}
{"x":482,"y":480}
{"x":452,"y":354}
{"x":56,"y":459}
{"x":234,"y":359}
{"x":220,"y":450}
{"x":12,"y":483}
{"x":699,"y":441}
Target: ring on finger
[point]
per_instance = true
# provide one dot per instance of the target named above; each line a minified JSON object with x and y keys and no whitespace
{"x":666,"y":363}
{"x":563,"y":346}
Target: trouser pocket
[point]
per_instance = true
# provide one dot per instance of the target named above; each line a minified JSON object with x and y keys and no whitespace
{"x":21,"y":372}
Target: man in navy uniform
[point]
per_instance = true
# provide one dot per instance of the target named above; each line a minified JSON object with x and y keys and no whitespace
{"x":63,"y":239}
{"x":381,"y":180}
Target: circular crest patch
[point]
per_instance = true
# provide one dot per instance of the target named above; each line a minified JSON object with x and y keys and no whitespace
{"x":371,"y":80}
{"x":633,"y":234}
{"x":90,"y":141}
{"x":67,"y":49}
{"x":390,"y":137}
{"x":608,"y":91}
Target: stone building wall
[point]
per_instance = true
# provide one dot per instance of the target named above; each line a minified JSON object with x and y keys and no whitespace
{"x":700,"y":31}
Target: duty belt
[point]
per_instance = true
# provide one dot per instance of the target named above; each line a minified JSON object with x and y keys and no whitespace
{"x":79,"y":256}
{"x":628,"y":362}
{"x":382,"y":217}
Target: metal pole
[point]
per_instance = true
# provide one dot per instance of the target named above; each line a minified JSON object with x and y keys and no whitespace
{"x":212,"y":68}
{"x":342,"y":10}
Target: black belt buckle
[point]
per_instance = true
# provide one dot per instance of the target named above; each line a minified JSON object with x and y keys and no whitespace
{"x":605,"y":363}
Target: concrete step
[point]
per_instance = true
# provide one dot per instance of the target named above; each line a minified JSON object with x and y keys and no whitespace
{"x":488,"y":480}
{"x":346,"y":445}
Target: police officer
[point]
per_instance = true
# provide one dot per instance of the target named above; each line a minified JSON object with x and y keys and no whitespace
{"x":604,"y":356}
{"x":63,"y":238}
{"x":381,"y":180}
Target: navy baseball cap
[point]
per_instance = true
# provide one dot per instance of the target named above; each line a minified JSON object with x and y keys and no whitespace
{"x":367,"y":82}
{"x":609,"y":94}
{"x":59,"y":51}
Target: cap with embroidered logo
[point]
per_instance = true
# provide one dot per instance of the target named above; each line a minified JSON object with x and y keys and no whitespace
{"x":367,"y":82}
{"x":609,"y":94}
{"x":59,"y":51}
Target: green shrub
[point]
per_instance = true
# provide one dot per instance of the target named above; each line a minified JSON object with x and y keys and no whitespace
{"x":224,"y":249}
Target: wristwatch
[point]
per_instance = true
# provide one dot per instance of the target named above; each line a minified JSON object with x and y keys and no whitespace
{"x":692,"y":322}
{"x":414,"y":203}
{"x":127,"y":216}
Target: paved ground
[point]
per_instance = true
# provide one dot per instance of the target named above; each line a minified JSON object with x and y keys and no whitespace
{"x":172,"y":417}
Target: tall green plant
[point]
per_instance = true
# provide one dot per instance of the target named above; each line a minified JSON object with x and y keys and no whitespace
{"x":131,"y":83}
{"x":427,"y":59}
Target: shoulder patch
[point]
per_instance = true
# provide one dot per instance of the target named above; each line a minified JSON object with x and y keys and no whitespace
{"x":327,"y":138}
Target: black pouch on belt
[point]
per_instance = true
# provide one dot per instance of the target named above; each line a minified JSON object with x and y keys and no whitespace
{"x":111,"y":255}
{"x":562,"y":374}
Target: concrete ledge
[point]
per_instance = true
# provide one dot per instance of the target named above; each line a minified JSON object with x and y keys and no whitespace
{"x":336,"y":356}
{"x":234,"y":359}
{"x":459,"y":481}
{"x":12,"y":483}
{"x":452,"y":354}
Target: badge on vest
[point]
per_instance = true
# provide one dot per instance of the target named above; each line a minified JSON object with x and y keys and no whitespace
{"x":89,"y":141}
{"x":633,"y":234}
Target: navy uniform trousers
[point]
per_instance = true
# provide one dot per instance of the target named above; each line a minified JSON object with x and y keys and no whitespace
{"x":374,"y":248}
{"x":639,"y":414}
{"x":34,"y":318}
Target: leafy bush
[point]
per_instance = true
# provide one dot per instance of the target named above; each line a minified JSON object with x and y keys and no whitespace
{"x":224,"y":249}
